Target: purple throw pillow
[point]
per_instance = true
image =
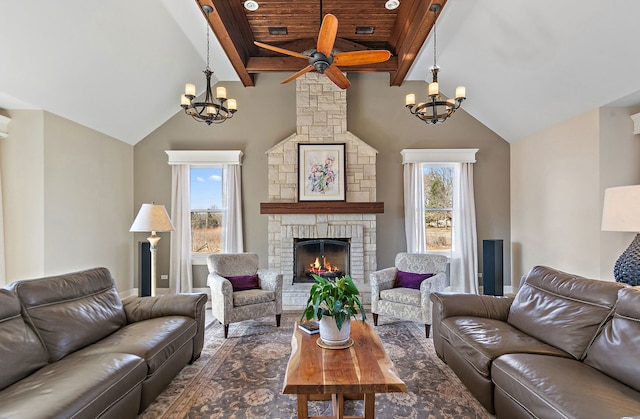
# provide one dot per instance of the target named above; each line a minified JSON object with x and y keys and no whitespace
{"x":244,"y":282}
{"x":410,"y":280}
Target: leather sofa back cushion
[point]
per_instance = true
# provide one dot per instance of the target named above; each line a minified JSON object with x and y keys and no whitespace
{"x":74,"y":310}
{"x":21,"y":352}
{"x":561,"y":309}
{"x":616,"y":350}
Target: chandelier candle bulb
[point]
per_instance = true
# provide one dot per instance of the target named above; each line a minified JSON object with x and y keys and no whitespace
{"x":461,"y":92}
{"x":410,"y":99}
{"x":184,"y":100}
{"x":221,"y":93}
{"x":233,"y":105}
{"x":433,"y":89}
{"x":190,"y":89}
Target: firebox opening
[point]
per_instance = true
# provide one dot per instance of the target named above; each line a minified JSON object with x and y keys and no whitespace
{"x":328,"y":258}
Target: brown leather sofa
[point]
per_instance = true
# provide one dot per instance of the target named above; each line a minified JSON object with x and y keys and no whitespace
{"x":71,"y":348}
{"x":563,"y":347}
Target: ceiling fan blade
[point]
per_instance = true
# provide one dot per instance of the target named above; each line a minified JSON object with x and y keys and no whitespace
{"x":327,"y":35}
{"x":298,"y":74}
{"x":336,"y":76}
{"x":281,"y":50}
{"x":361,"y":57}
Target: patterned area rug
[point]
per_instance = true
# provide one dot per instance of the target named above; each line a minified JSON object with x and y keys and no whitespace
{"x":243,"y":376}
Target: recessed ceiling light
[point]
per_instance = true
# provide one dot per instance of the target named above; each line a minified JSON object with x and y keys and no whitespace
{"x":278,"y":30}
{"x":251,"y":5}
{"x":392,"y":4}
{"x":365,"y":30}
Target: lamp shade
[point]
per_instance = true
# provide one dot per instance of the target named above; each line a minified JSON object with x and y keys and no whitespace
{"x":152,"y":217}
{"x":621,"y":210}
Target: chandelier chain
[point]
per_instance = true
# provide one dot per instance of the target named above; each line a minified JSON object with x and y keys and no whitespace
{"x":206,"y":27}
{"x":434,"y":40}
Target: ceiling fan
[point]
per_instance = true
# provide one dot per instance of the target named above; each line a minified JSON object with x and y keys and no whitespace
{"x":324,"y":61}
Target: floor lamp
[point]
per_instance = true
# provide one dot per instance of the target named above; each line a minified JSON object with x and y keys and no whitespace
{"x":621,"y":212}
{"x":152,"y":218}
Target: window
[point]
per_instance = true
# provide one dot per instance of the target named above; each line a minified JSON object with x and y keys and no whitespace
{"x":206,"y":209}
{"x":438,"y":206}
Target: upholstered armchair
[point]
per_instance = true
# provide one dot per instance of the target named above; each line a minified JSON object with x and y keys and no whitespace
{"x":401,"y":293}
{"x":241,"y":291}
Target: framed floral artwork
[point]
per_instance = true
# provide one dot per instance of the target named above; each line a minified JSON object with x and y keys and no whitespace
{"x":321,"y":172}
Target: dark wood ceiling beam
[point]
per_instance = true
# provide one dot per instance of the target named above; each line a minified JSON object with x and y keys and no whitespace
{"x":414,"y":24}
{"x":288,"y":64}
{"x":232,"y":44}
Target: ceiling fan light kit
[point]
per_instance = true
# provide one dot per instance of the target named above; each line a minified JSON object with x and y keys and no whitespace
{"x":214,"y":110}
{"x":436,"y":109}
{"x":323,"y":59}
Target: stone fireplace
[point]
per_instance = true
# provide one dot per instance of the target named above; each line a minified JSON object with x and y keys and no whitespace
{"x":321,"y":110}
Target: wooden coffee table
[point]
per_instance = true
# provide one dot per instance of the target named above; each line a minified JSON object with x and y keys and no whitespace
{"x":357,"y":372}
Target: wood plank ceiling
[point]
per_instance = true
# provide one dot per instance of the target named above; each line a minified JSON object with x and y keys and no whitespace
{"x":402,"y":31}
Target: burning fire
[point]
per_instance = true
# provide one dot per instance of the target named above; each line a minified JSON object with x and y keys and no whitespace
{"x":317,"y":268}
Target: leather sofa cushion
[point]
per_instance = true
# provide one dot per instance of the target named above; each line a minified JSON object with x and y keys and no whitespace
{"x":553,"y":387}
{"x":616,"y":350}
{"x":251,"y":297}
{"x":561,"y":309}
{"x":154,"y":340}
{"x":479,"y":341}
{"x":72,"y":311}
{"x":21,"y":352}
{"x":79,"y":388}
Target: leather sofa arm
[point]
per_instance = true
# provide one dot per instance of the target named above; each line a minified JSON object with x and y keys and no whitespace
{"x":144,"y":308}
{"x":486,"y":306}
{"x":189,"y":305}
{"x":449,"y":305}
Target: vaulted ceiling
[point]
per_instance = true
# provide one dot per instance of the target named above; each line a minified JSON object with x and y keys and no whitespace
{"x":363,"y":25}
{"x":119,"y":66}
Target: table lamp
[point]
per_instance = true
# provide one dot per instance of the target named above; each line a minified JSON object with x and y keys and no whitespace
{"x":152,"y":218}
{"x":621,"y":212}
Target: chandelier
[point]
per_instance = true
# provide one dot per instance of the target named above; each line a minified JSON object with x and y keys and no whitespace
{"x":436,"y":109}
{"x":212,"y":110}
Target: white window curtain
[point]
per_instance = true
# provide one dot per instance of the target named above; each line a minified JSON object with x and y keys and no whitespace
{"x":232,"y":241}
{"x":414,"y":225}
{"x":180,"y":273}
{"x":464,"y":260}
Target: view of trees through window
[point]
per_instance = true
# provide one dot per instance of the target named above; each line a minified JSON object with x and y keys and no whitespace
{"x":206,"y":209}
{"x":438,"y":199}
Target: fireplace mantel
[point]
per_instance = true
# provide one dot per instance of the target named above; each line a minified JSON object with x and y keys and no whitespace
{"x":321,"y":207}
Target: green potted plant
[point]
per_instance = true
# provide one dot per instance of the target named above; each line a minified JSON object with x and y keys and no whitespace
{"x":334,"y":303}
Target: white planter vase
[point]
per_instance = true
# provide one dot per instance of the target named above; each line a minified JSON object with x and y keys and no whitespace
{"x":330,"y":334}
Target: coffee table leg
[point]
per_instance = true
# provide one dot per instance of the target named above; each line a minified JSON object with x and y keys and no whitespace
{"x":338,"y":406}
{"x":303,"y":408}
{"x":369,"y":405}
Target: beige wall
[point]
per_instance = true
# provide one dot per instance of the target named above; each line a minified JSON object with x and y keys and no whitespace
{"x":375,"y":113}
{"x":558,"y":177}
{"x":22,"y":165}
{"x":68,"y":199}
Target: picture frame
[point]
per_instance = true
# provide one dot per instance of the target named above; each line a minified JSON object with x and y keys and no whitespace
{"x":321,"y":172}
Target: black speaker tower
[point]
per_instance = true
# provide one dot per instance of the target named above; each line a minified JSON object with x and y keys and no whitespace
{"x":492,"y":271}
{"x":144,"y":264}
